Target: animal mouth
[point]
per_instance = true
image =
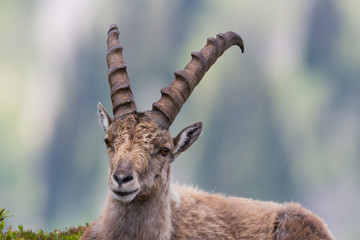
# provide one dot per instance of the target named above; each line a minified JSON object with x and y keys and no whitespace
{"x":124,"y":194}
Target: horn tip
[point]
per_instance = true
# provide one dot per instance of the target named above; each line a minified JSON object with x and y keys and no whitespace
{"x":239,"y":40}
{"x":242,"y":46}
{"x":235,"y":39}
{"x":113,"y":27}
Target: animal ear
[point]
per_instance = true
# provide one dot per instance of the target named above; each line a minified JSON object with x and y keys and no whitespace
{"x":187,"y":137}
{"x":104,"y":117}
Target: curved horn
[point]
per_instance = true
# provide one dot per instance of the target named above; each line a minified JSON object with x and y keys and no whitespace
{"x":121,"y":96}
{"x":174,"y":96}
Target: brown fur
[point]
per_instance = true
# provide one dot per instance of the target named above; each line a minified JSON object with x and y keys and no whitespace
{"x":162,"y":210}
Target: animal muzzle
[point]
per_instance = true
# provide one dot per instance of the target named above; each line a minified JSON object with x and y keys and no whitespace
{"x":123,"y":178}
{"x":124,"y":182}
{"x":123,"y":174}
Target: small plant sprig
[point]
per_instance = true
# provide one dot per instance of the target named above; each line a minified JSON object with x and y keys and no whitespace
{"x":3,"y":214}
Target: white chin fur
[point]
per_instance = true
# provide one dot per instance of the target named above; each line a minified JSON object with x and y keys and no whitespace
{"x":124,"y":199}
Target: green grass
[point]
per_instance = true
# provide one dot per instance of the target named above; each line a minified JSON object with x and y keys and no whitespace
{"x":9,"y":234}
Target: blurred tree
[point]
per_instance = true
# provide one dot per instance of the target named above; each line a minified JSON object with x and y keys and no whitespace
{"x":252,"y":163}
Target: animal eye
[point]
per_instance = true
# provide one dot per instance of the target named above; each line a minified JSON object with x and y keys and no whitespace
{"x":165,"y":151}
{"x":107,"y":143}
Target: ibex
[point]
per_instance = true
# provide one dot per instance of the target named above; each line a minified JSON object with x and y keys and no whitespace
{"x":142,"y":203}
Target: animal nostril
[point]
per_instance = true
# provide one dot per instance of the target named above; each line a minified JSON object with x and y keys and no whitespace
{"x":122,"y":180}
{"x":127,"y":179}
{"x":117,"y":180}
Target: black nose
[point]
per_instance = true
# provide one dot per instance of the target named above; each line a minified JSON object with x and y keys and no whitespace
{"x":122,"y":178}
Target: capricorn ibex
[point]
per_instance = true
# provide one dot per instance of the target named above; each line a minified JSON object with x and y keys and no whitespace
{"x":142,"y":203}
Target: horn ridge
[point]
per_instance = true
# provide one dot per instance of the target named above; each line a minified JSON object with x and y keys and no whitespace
{"x":121,"y":95}
{"x":170,"y":103}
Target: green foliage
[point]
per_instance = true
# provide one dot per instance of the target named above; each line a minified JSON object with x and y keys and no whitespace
{"x":4,"y":214}
{"x":67,"y":234}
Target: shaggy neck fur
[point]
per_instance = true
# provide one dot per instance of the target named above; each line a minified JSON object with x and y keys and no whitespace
{"x":148,"y":218}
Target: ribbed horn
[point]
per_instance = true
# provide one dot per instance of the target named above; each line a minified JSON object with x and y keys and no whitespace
{"x":121,"y":95}
{"x":174,"y":96}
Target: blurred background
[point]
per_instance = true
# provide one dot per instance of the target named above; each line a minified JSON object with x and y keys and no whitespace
{"x":282,"y":120}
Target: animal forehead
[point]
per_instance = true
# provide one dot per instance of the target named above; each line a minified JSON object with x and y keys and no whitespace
{"x":138,"y":129}
{"x":149,"y":131}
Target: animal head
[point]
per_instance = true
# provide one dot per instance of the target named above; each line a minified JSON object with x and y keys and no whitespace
{"x":139,"y":145}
